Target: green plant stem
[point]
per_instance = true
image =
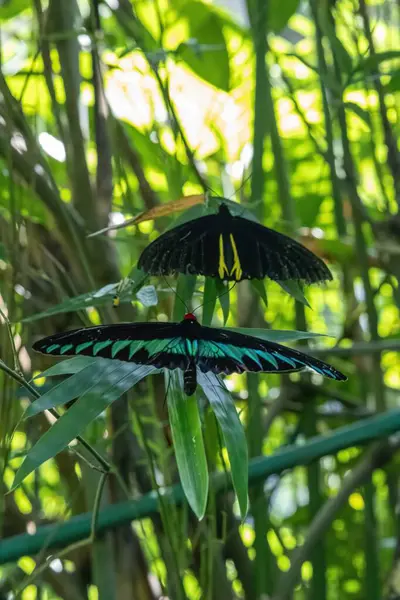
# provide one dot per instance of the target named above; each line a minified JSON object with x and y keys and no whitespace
{"x":393,"y":156}
{"x":78,"y":528}
{"x":20,"y":379}
{"x":264,"y":570}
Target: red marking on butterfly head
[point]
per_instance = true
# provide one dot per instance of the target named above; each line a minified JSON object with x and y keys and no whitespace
{"x":189,"y":317}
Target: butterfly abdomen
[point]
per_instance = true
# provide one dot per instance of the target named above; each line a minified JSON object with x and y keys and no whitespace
{"x":190,"y":379}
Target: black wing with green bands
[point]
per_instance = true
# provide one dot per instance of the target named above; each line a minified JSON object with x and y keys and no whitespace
{"x":141,"y":343}
{"x":181,"y":345}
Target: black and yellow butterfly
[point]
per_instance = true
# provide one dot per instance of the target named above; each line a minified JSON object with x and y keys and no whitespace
{"x":187,"y":346}
{"x":231,"y":248}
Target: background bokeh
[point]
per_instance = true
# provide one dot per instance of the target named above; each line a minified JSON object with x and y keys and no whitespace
{"x":110,"y":108}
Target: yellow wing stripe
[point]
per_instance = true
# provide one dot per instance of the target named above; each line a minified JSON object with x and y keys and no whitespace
{"x":222,"y":264}
{"x":236,"y":270}
{"x":237,"y":267}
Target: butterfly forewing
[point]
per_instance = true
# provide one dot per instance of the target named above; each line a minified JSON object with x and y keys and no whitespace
{"x":158,"y":344}
{"x":229,"y":352}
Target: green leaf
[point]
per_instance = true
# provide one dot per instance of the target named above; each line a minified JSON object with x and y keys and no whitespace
{"x":209,"y":300}
{"x":187,"y":436}
{"x":293,"y":288}
{"x":195,"y":212}
{"x":185,"y":286}
{"x":371,"y":63}
{"x":259,"y":287}
{"x":342,"y":56}
{"x":360,"y":112}
{"x":102,"y":297}
{"x":232,"y":431}
{"x":80,"y":383}
{"x":276,"y":335}
{"x":80,"y":414}
{"x":12,"y":8}
{"x":236,"y":209}
{"x":307,"y":208}
{"x":223,"y":293}
{"x":280,"y":12}
{"x":205,"y":52}
{"x":68,"y":366}
{"x":394,"y":84}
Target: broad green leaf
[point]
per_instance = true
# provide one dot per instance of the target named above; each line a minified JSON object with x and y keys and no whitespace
{"x":276,"y":335}
{"x":205,"y":51}
{"x":236,"y":209}
{"x":80,"y":414}
{"x":102,"y":297}
{"x":259,"y":287}
{"x":147,"y":295}
{"x":223,"y":292}
{"x":185,"y":286}
{"x":195,"y":212}
{"x":187,"y":436}
{"x":293,"y":288}
{"x":90,"y":377}
{"x":232,"y":431}
{"x":279,"y":13}
{"x":209,"y":300}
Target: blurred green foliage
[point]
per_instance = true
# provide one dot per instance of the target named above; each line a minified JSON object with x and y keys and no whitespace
{"x":147,"y":102}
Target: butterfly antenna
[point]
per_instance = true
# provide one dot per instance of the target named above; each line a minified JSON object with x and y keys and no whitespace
{"x":244,"y":181}
{"x":218,"y":297}
{"x":177,"y":295}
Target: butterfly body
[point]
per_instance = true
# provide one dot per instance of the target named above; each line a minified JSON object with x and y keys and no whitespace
{"x":231,"y":248}
{"x":187,"y":346}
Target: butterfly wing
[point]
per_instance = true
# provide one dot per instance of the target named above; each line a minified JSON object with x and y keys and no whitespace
{"x":231,"y":249}
{"x":188,"y":248}
{"x":228,"y":352}
{"x":264,"y":252}
{"x":157,"y":344}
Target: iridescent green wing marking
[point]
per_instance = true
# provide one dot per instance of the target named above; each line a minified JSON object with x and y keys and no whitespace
{"x":268,"y":357}
{"x":140,"y":343}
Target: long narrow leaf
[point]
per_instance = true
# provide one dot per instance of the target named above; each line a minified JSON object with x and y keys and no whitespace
{"x":188,"y":444}
{"x":233,"y":432}
{"x":184,"y":291}
{"x":69,"y":366}
{"x":223,"y":292}
{"x":293,"y":288}
{"x":91,"y":377}
{"x":209,"y":300}
{"x":277,"y":335}
{"x":83,"y":412}
{"x":102,"y":297}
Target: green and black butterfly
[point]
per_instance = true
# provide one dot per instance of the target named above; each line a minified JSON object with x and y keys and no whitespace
{"x":231,"y":248}
{"x":187,"y":346}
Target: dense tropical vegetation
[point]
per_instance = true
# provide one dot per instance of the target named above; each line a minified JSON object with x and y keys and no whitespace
{"x":128,"y":110}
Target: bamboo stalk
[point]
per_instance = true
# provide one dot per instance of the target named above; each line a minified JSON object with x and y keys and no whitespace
{"x":78,"y":528}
